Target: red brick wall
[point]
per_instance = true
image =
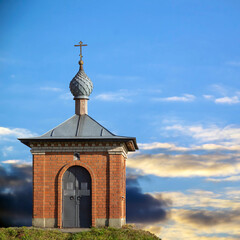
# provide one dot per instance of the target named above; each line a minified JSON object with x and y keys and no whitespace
{"x":108,"y":183}
{"x":117,"y":183}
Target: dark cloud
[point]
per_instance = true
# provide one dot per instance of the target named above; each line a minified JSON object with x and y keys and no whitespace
{"x":15,"y":195}
{"x":16,"y":199}
{"x":143,"y":207}
{"x":15,"y":175}
{"x":204,"y":218}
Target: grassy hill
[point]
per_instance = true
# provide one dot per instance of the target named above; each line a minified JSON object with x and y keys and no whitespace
{"x":25,"y":233}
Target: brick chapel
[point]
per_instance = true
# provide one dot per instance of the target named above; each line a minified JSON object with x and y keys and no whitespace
{"x":79,"y":168}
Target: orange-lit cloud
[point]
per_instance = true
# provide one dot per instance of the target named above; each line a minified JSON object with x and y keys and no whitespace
{"x":213,"y":152}
{"x":199,"y":214}
{"x":186,"y":165}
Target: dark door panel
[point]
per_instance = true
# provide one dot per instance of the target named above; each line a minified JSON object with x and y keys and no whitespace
{"x":76,"y":198}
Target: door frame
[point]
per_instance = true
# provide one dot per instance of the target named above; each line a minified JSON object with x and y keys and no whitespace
{"x":59,"y":193}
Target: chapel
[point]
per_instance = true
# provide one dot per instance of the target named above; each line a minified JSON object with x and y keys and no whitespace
{"x":79,"y":168}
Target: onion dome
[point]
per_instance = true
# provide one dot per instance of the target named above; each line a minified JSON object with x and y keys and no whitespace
{"x":81,"y":85}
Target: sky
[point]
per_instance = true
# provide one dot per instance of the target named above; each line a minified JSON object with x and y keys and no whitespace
{"x":165,"y":72}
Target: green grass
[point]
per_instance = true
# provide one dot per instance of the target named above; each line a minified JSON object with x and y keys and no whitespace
{"x":25,"y":233}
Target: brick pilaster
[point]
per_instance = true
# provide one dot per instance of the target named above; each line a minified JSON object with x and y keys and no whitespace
{"x":38,"y":185}
{"x":115,"y":186}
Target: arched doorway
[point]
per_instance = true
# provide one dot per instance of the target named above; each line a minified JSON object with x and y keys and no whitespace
{"x":76,"y":197}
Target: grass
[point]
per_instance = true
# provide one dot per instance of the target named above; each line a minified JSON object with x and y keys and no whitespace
{"x":26,"y":233}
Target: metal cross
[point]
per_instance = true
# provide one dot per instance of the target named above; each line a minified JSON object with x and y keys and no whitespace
{"x":80,"y":45}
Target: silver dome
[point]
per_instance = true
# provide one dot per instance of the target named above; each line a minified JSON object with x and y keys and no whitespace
{"x":81,"y":85}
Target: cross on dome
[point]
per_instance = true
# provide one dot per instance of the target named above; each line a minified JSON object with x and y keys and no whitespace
{"x":81,"y":85}
{"x":80,"y":45}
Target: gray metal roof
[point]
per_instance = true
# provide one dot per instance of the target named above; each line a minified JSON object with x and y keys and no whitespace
{"x":80,"y":128}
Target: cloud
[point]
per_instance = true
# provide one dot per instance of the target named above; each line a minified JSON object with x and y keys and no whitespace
{"x":228,"y":100}
{"x":204,"y":224}
{"x":159,"y":145}
{"x":16,"y":198}
{"x":233,"y":193}
{"x":224,"y":92}
{"x":66,"y":96}
{"x":217,"y":147}
{"x":212,"y":152}
{"x":208,"y":96}
{"x":15,"y":195}
{"x":220,"y":89}
{"x":207,"y":134}
{"x":51,"y":89}
{"x":183,"y":231}
{"x":201,"y":199}
{"x":19,"y":172}
{"x":6,"y":150}
{"x":226,"y":179}
{"x":186,"y":165}
{"x":208,"y":219}
{"x":198,"y":214}
{"x":143,"y":207}
{"x":126,"y":95}
{"x":15,"y":132}
{"x":173,"y":147}
{"x":120,"y":96}
{"x":11,"y":161}
{"x":184,"y":98}
{"x":118,"y":78}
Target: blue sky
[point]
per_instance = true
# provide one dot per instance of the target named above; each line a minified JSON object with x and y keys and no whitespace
{"x":166,"y":72}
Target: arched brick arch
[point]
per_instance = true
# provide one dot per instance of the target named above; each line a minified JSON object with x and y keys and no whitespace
{"x":62,"y":171}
